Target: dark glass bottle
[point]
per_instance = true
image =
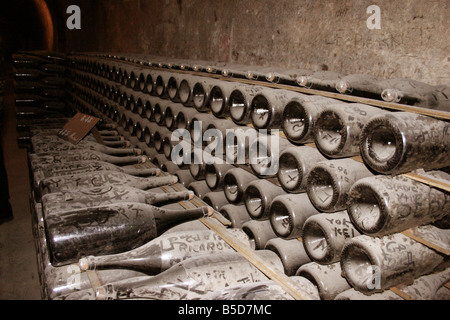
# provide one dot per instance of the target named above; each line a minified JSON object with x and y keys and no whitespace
{"x":49,"y":158}
{"x":193,"y":278}
{"x":295,"y":164}
{"x":54,"y":203}
{"x":164,"y":251}
{"x":258,"y":197}
{"x":338,"y":128}
{"x":329,"y":182}
{"x":102,"y":178}
{"x":110,"y":229}
{"x":381,"y":205}
{"x":86,"y":166}
{"x":399,"y":142}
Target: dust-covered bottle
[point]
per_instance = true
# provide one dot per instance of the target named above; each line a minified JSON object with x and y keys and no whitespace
{"x":324,"y":235}
{"x":373,"y":264}
{"x":109,"y":229}
{"x":164,"y":252}
{"x":288,"y":213}
{"x":65,"y":146}
{"x":56,"y":202}
{"x":381,"y":205}
{"x":338,"y":127}
{"x":194,"y":278}
{"x":295,"y":164}
{"x":78,"y":167}
{"x":329,"y":182}
{"x":266,"y":290}
{"x":299,"y":117}
{"x":399,"y":142}
{"x":102,"y":178}
{"x":53,"y":158}
{"x":258,"y":198}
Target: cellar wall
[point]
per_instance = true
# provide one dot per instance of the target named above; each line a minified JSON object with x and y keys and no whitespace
{"x":412,"y":42}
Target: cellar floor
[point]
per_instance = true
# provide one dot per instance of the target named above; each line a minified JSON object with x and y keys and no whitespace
{"x":19,"y":278}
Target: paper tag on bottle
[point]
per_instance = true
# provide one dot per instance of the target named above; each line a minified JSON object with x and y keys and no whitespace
{"x":78,"y":127}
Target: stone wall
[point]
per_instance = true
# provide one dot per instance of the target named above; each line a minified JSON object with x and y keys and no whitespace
{"x":413,"y":41}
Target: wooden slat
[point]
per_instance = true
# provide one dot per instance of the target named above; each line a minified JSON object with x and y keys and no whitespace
{"x":93,"y":279}
{"x":276,"y":275}
{"x":401,"y":294}
{"x":410,"y":233}
{"x":428,"y":180}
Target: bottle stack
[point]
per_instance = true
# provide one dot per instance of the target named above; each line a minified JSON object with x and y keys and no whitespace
{"x":39,"y":91}
{"x":316,"y":187}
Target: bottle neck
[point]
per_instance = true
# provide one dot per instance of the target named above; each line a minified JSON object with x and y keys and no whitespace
{"x":154,"y":198}
{"x":166,"y":219}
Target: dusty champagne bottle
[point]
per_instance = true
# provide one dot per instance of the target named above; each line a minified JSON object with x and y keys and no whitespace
{"x":329,"y":182}
{"x":54,"y":203}
{"x":264,"y":154}
{"x":324,"y":236}
{"x":49,"y":158}
{"x":193,"y":278}
{"x":215,"y":135}
{"x":240,"y":101}
{"x":382,"y":205}
{"x":411,"y":92}
{"x":158,"y":138}
{"x":198,"y":125}
{"x":185,"y":93}
{"x":258,"y":197}
{"x":319,"y":80}
{"x":109,"y":229}
{"x":215,"y":199}
{"x":327,"y":278}
{"x":171,"y":114}
{"x":214,"y":174}
{"x":237,"y":143}
{"x":266,"y":108}
{"x":85,"y":166}
{"x":172,"y":87}
{"x":184,"y":177}
{"x":158,"y":112}
{"x":236,"y":214}
{"x":219,"y":99}
{"x":200,"y":188}
{"x":184,"y":118}
{"x":399,"y":142}
{"x":338,"y":127}
{"x":291,"y":252}
{"x":288,"y":214}
{"x":200,"y":95}
{"x":266,"y":290}
{"x":352,"y":294}
{"x":259,"y":233}
{"x":27,"y":74}
{"x":372,"y":264}
{"x":361,"y":85}
{"x":65,"y":146}
{"x":102,"y":178}
{"x":299,"y":117}
{"x":235,"y":182}
{"x":430,"y":287}
{"x":197,"y":165}
{"x":295,"y":165}
{"x":63,"y":282}
{"x":164,"y":252}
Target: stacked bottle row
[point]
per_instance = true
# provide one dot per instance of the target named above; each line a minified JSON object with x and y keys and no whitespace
{"x":248,"y":196}
{"x":39,"y":87}
{"x":399,"y":90}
